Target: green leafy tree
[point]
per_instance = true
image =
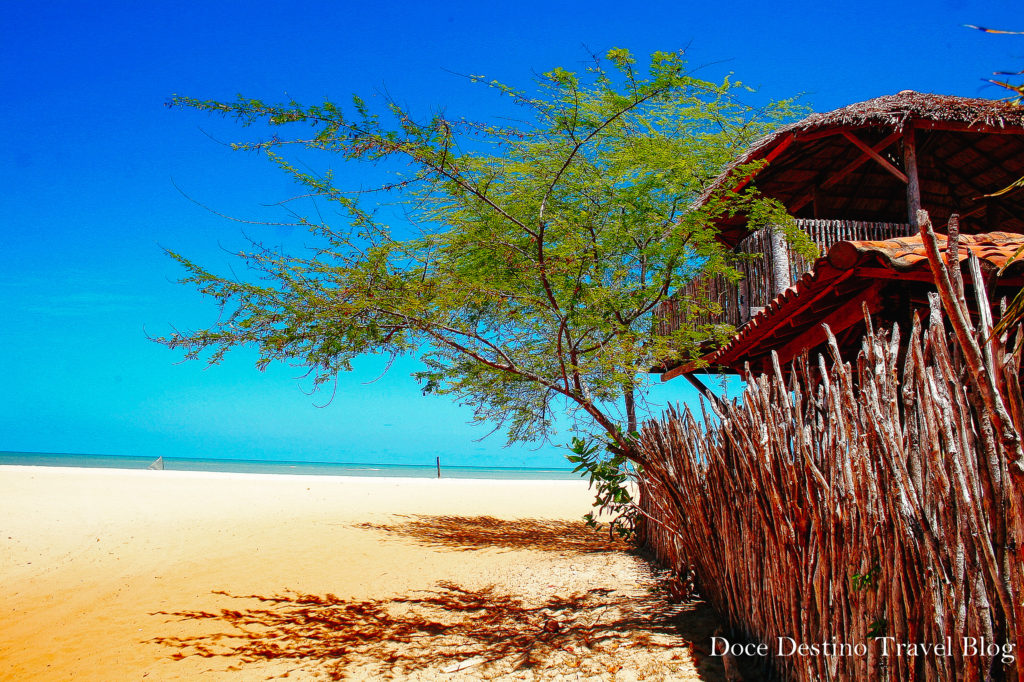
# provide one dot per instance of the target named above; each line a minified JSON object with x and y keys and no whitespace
{"x":532,"y":253}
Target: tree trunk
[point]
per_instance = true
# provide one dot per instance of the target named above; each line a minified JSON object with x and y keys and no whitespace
{"x":630,"y":400}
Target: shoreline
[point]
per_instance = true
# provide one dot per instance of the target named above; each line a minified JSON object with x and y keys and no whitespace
{"x":292,"y":467}
{"x":227,"y":475}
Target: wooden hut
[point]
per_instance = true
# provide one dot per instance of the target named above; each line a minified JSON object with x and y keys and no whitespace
{"x":854,"y":179}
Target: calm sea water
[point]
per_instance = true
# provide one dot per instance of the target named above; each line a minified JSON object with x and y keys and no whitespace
{"x":54,"y":459}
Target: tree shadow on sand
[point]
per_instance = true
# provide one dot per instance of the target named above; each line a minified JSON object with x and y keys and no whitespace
{"x":482,"y":532}
{"x":451,"y":628}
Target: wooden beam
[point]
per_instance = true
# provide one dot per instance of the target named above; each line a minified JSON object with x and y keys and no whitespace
{"x":875,"y":155}
{"x":838,"y":321}
{"x":956,"y":180}
{"x":801,"y":202}
{"x":975,"y":211}
{"x":768,"y":158}
{"x":754,"y":334}
{"x":860,"y":160}
{"x":913,"y":182}
{"x":922,"y":275}
{"x":687,"y":369}
{"x":844,"y":171}
{"x":922,"y":124}
{"x":706,"y":392}
{"x":826,"y":132}
{"x":678,"y":370}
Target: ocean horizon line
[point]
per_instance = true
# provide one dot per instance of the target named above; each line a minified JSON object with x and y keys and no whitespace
{"x":267,"y":466}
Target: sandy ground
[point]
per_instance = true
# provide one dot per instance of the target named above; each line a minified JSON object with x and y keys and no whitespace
{"x":162,"y":575}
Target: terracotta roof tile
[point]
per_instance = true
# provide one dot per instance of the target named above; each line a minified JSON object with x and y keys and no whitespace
{"x":906,"y":253}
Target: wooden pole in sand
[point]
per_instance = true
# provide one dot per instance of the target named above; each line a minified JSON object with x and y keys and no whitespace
{"x":439,"y":467}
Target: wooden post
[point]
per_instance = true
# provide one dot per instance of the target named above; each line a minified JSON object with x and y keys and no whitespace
{"x":439,"y":467}
{"x":780,"y":260}
{"x":913,"y":182}
{"x":717,"y":403}
{"x":741,"y":297}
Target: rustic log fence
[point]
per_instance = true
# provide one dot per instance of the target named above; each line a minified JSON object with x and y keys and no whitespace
{"x":870,"y":510}
{"x":845,"y":507}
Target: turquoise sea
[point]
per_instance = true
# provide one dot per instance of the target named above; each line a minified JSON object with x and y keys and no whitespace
{"x":57,"y":459}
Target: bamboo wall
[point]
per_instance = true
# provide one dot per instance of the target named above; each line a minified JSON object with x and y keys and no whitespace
{"x":851,"y":504}
{"x":755,"y":290}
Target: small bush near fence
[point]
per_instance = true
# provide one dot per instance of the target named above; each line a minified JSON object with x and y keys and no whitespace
{"x":864,"y":511}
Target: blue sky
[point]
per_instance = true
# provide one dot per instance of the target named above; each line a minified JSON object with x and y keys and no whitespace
{"x":92,"y":159}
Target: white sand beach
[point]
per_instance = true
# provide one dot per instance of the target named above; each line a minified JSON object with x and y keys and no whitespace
{"x":114,"y":574}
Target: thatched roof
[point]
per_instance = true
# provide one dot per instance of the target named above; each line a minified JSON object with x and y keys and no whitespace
{"x":893,"y":111}
{"x":891,"y":277}
{"x":966,"y":148}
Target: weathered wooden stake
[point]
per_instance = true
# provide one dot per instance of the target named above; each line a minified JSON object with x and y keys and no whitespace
{"x":913,"y":181}
{"x":852,"y":501}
